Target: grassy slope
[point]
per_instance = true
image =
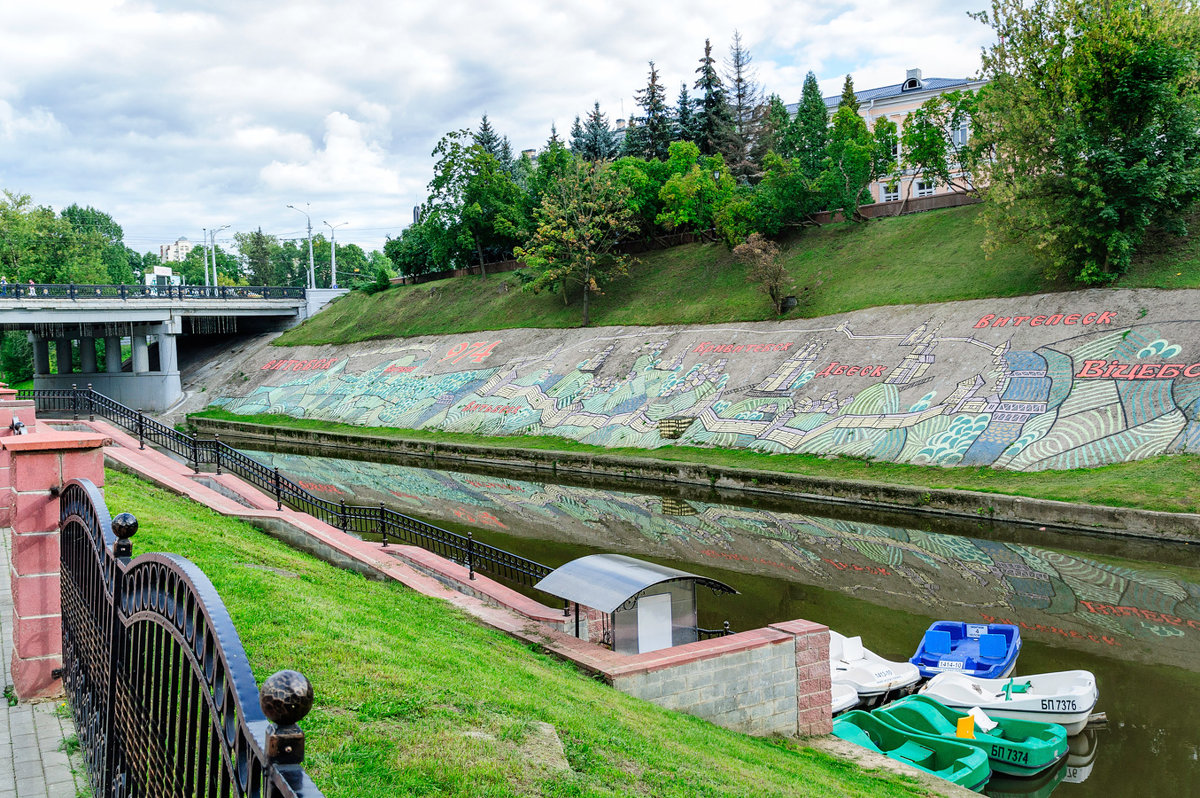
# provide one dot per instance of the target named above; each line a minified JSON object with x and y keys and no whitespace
{"x":926,"y":257}
{"x":414,"y":698}
{"x":1166,"y":483}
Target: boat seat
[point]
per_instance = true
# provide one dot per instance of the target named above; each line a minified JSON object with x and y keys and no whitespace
{"x":937,"y":641}
{"x":913,"y":752}
{"x":993,"y":646}
{"x":852,"y":649}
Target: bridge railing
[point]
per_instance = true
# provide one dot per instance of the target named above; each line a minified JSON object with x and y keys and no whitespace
{"x":391,"y":526}
{"x":159,"y":685}
{"x":16,"y":291}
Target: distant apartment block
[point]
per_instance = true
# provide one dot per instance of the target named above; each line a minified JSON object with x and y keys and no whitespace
{"x":175,"y":252}
{"x":895,"y":102}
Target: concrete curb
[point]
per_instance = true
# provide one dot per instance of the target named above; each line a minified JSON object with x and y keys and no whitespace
{"x":1124,"y":522}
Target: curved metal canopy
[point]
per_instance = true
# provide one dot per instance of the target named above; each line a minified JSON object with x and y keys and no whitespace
{"x":606,"y":581}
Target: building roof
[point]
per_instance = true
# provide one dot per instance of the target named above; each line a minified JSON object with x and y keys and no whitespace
{"x":606,"y":581}
{"x":897,"y":90}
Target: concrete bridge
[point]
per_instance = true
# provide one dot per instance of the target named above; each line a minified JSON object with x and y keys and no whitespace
{"x":155,"y":319}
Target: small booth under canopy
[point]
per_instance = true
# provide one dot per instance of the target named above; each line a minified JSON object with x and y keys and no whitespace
{"x":633,"y":606}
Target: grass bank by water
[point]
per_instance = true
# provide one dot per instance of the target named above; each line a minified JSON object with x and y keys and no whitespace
{"x":1169,"y":483}
{"x":925,"y":257}
{"x":413,"y":698}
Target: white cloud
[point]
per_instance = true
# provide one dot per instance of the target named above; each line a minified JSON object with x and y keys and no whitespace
{"x":173,"y":120}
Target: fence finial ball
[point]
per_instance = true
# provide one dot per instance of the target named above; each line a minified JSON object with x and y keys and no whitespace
{"x":286,"y":697}
{"x":125,"y":526}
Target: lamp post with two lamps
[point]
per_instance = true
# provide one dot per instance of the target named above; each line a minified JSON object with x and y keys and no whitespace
{"x":333,"y":251}
{"x":312,"y":274}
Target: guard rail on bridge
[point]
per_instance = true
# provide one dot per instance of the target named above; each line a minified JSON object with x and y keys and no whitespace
{"x":73,"y":291}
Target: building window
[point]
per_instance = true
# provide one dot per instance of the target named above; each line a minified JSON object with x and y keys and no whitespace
{"x":925,"y":188}
{"x":889,"y":193}
{"x":960,"y":134}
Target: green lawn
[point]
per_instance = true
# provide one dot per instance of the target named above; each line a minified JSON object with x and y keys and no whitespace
{"x":1169,"y":483}
{"x":413,"y":698}
{"x":924,"y":257}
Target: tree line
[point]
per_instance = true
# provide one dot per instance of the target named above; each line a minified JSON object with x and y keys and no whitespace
{"x":1084,"y":137}
{"x":83,"y":245}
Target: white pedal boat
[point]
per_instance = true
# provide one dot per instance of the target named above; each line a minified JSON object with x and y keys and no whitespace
{"x":844,"y":697}
{"x":870,"y":675}
{"x":1065,"y":697}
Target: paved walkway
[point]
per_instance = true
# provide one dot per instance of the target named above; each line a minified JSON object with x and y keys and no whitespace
{"x":32,"y":761}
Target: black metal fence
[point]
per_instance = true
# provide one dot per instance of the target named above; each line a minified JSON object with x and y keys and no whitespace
{"x":16,"y":291}
{"x":163,"y":697}
{"x":382,"y":521}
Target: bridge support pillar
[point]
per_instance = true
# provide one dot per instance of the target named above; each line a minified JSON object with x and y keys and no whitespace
{"x":62,"y":351}
{"x":141,"y":354}
{"x":112,"y":354}
{"x":168,"y":359}
{"x":41,"y":355}
{"x":87,"y":354}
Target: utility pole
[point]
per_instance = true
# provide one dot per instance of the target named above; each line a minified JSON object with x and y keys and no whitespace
{"x":312,"y":272}
{"x":204,"y":239}
{"x":333,"y":251}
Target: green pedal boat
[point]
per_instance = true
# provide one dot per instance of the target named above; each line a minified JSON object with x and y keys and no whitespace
{"x":1013,"y":747}
{"x":950,"y":759}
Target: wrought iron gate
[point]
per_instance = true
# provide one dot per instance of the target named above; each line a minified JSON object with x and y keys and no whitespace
{"x":161,"y":689}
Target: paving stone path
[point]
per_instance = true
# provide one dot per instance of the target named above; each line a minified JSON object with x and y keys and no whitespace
{"x":33,"y":762}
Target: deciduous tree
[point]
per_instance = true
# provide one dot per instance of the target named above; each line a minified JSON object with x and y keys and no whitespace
{"x":1092,"y":120}
{"x":579,"y":225}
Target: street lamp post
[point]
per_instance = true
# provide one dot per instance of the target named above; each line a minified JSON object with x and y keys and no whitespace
{"x":213,"y":234}
{"x":312,"y":273}
{"x":333,"y":251}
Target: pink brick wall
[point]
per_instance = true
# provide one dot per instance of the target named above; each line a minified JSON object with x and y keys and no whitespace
{"x":30,"y":465}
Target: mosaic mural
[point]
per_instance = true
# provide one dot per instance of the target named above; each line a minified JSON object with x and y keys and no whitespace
{"x":1058,"y":381}
{"x":1061,"y":598}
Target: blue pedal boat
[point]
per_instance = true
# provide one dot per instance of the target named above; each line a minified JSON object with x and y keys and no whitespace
{"x":983,"y":650}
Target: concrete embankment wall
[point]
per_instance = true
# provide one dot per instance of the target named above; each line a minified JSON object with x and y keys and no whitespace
{"x":1122,"y":521}
{"x":1054,"y":381}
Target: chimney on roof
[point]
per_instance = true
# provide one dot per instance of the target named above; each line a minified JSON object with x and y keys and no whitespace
{"x":912,"y":80}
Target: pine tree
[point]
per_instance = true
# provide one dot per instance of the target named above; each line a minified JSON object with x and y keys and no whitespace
{"x":715,"y":119}
{"x":655,"y":121}
{"x":773,"y":126}
{"x":686,"y":119}
{"x":577,"y":143}
{"x":745,"y":106}
{"x":808,"y":132}
{"x":848,"y":97}
{"x":487,"y":138}
{"x":599,"y":142}
{"x":505,"y":157}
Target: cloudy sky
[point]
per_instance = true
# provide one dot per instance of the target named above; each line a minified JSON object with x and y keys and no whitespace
{"x":178,"y":116}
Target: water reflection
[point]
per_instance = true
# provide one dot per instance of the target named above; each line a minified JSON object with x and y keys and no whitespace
{"x":1070,"y":599}
{"x":1135,"y":625}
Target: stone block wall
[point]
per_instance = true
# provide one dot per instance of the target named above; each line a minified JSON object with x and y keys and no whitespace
{"x":766,"y":681}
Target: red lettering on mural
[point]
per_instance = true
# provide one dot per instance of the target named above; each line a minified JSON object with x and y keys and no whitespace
{"x":1114,"y":370}
{"x":501,"y":485}
{"x":320,"y":487}
{"x":836,"y":369}
{"x":475,"y":351}
{"x":478,"y":408}
{"x":707,"y":347}
{"x":320,"y":364}
{"x":869,"y":569}
{"x":400,"y":495}
{"x":992,"y":320}
{"x":399,"y":369}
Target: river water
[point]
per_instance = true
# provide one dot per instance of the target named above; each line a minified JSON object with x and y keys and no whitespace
{"x":1135,"y":623}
